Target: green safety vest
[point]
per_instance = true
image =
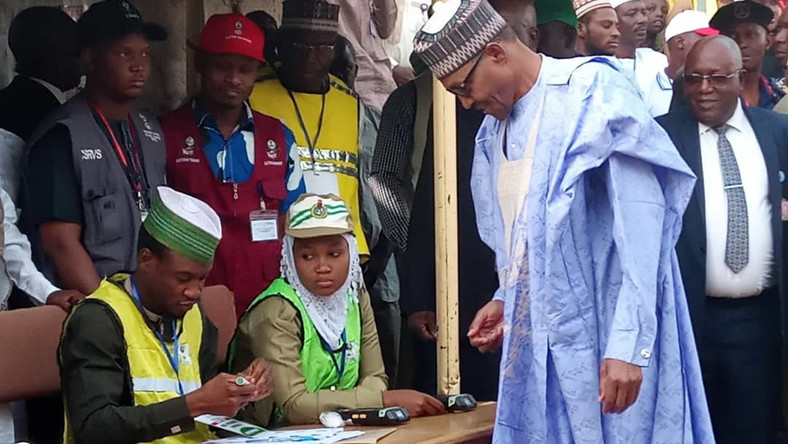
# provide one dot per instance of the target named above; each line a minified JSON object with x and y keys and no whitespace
{"x":319,"y":369}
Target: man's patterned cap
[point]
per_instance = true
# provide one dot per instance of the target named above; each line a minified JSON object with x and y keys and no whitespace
{"x":456,"y":33}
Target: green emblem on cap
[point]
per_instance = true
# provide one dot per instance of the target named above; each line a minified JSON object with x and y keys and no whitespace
{"x":319,"y":211}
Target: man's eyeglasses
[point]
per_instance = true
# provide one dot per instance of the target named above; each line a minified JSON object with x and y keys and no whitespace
{"x":461,"y":90}
{"x":695,"y":79}
{"x":312,"y":47}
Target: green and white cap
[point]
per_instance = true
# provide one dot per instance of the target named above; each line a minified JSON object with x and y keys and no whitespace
{"x":314,"y":215}
{"x":184,"y":224}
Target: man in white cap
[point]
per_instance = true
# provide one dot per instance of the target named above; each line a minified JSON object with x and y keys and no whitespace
{"x":580,"y":195}
{"x":681,"y":34}
{"x":597,"y":27}
{"x":135,"y":354}
{"x":644,"y":64}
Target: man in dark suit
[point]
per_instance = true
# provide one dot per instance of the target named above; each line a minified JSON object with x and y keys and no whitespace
{"x":43,"y":41}
{"x":730,"y":249}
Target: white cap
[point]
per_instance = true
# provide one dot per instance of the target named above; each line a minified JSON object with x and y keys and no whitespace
{"x":688,"y":21}
{"x":617,"y":3}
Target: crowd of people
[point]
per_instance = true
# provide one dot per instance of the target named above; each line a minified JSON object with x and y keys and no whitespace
{"x":621,"y":193}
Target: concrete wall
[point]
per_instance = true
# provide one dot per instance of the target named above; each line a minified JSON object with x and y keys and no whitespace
{"x":172,"y":77}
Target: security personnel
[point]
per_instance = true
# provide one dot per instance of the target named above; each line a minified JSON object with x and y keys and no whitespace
{"x":135,"y":354}
{"x":232,"y":158}
{"x":322,"y":111}
{"x":93,"y":163}
{"x":747,"y":23}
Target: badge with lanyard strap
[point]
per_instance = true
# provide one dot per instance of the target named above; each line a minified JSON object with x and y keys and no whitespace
{"x":264,"y":222}
{"x":173,"y":358}
{"x":134,"y":170}
{"x":338,"y":365}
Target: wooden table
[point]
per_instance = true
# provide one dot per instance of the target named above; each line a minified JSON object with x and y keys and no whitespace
{"x":467,"y":428}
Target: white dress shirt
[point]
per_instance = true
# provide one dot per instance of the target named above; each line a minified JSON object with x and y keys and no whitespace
{"x":16,"y":266}
{"x":755,"y":277}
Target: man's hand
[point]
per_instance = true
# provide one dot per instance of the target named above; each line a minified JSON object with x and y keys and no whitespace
{"x":259,"y":374}
{"x":402,"y":74}
{"x":220,"y":396}
{"x":423,"y":324}
{"x":486,"y":331}
{"x":619,"y":385}
{"x":416,"y":403}
{"x":65,"y":299}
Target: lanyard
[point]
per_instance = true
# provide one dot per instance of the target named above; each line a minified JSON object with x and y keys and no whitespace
{"x":339,"y":366}
{"x":174,"y":359}
{"x":134,"y":174}
{"x":311,"y":143}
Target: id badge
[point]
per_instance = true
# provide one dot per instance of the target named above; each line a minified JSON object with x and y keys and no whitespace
{"x":784,"y":210}
{"x":265,"y":225}
{"x":143,"y":215}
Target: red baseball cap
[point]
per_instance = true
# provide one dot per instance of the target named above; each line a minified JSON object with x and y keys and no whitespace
{"x":232,"y":34}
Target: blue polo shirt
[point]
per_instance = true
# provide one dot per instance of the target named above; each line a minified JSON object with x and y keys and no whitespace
{"x":232,"y":159}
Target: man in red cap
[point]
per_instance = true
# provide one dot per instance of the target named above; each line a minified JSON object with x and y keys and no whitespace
{"x":233,"y":158}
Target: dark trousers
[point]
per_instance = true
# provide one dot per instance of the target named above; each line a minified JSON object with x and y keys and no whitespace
{"x":741,"y":363}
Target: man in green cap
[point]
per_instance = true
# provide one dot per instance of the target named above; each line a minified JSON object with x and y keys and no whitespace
{"x":557,"y":24}
{"x":135,"y":354}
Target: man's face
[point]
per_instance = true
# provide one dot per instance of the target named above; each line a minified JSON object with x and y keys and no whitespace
{"x":752,"y":41}
{"x":680,"y":46}
{"x":307,"y":55}
{"x":712,"y":101}
{"x":523,"y":22}
{"x":781,"y":38}
{"x":486,"y":85}
{"x":227,"y":79}
{"x":632,"y":23}
{"x":600,"y":32}
{"x":322,"y":263}
{"x":174,"y":282}
{"x":657,"y":11}
{"x":122,"y":67}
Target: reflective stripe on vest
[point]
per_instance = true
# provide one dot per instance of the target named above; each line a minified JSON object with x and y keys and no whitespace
{"x":153,"y":378}
{"x":336,"y":146}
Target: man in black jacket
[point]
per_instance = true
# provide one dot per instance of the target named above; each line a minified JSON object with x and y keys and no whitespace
{"x":730,"y":249}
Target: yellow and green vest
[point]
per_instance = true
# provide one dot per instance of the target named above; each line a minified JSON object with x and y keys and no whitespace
{"x":319,"y":369}
{"x":336,"y":154}
{"x":153,"y":378}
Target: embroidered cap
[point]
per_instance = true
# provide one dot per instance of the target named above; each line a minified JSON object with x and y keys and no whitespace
{"x":184,"y":224}
{"x":583,"y":7}
{"x":232,"y":34}
{"x":314,"y":215}
{"x":555,"y":11}
{"x":746,"y":11}
{"x":456,"y":33}
{"x":310,"y":15}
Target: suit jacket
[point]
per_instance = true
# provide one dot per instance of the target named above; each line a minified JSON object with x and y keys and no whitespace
{"x":23,"y":105}
{"x":771,"y":130}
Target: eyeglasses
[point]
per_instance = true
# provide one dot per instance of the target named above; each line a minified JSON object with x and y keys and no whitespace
{"x":314,"y":47}
{"x":461,"y":90}
{"x":718,"y":80}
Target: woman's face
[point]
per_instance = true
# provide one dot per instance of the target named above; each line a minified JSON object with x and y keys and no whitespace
{"x":322,"y":263}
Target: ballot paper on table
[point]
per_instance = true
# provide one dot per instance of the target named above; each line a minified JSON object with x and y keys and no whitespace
{"x":250,"y":433}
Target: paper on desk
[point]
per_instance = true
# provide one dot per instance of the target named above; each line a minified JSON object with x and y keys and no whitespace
{"x":369,"y":436}
{"x":313,"y":436}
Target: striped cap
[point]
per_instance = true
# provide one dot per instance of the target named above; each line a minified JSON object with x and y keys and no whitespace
{"x":314,"y":215}
{"x":583,"y":7}
{"x":185,"y":225}
{"x":310,"y":15}
{"x":456,"y":33}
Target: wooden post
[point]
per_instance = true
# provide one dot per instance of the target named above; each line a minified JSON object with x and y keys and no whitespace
{"x":446,"y":238}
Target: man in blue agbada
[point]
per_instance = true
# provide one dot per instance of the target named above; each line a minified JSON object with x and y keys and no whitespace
{"x":580,"y":193}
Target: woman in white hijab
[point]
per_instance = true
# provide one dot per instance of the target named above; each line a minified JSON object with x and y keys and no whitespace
{"x":315,"y":326}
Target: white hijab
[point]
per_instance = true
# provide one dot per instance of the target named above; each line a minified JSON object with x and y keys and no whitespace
{"x":327,"y":313}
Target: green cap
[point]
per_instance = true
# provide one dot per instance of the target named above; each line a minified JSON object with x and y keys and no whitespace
{"x":184,"y":224}
{"x":555,"y":11}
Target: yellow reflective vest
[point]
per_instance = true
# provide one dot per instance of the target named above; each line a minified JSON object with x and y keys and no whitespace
{"x":153,"y":378}
{"x":333,"y":165}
